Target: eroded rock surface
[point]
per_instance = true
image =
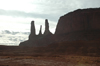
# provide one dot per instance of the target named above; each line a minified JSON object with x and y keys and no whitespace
{"x":77,"y":25}
{"x":86,"y":19}
{"x":40,"y":39}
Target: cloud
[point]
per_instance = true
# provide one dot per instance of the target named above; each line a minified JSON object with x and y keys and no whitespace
{"x":46,"y":9}
{"x":15,"y":13}
{"x":65,"y":6}
{"x":51,"y":9}
{"x":23,"y":24}
{"x":22,"y":11}
{"x":90,"y":3}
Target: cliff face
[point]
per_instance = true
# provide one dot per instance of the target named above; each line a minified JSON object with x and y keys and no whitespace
{"x":86,"y":19}
{"x":78,"y":25}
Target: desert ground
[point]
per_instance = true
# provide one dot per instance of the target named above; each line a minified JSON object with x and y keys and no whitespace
{"x":49,"y":61}
{"x":22,"y":56}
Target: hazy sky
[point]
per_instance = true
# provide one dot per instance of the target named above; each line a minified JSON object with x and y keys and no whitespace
{"x":16,"y":15}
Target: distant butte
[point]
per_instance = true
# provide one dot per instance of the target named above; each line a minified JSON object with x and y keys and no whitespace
{"x":81,"y":24}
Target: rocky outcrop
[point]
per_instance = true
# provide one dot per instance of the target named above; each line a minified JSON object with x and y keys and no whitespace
{"x":40,"y":39}
{"x":77,"y":25}
{"x":40,"y":32}
{"x":32,"y":32}
{"x":86,"y":19}
{"x":47,"y":32}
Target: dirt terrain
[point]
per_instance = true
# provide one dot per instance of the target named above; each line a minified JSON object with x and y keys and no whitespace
{"x":49,"y":61}
{"x":77,"y":53}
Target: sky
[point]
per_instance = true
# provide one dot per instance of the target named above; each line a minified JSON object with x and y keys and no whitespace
{"x":16,"y":15}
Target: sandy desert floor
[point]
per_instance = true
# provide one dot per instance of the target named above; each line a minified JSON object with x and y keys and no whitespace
{"x":49,"y":61}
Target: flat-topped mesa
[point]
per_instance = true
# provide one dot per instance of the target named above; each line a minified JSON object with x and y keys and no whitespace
{"x":47,"y":31}
{"x":32,"y":32}
{"x":79,"y":20}
{"x":40,"y":32}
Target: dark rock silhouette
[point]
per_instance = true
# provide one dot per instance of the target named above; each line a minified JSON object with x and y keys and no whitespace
{"x":86,"y":19}
{"x":78,"y":25}
{"x":47,"y":32}
{"x":40,"y":39}
{"x":32,"y":33}
{"x":40,"y":32}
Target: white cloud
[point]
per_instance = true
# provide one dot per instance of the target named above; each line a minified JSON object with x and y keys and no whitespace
{"x":15,"y":12}
{"x":21,"y":5}
{"x":23,"y":24}
{"x":16,"y":15}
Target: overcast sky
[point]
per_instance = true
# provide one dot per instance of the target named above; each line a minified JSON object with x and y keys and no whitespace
{"x":16,"y":15}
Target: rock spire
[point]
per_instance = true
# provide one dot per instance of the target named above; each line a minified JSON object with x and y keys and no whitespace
{"x":46,"y":32}
{"x":40,"y":32}
{"x":80,"y":25}
{"x":40,"y":39}
{"x":32,"y":34}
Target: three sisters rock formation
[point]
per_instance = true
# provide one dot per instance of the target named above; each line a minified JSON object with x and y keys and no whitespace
{"x":40,"y":39}
{"x":82,"y":24}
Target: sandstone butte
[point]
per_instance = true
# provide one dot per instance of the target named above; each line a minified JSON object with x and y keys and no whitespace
{"x":81,"y":24}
